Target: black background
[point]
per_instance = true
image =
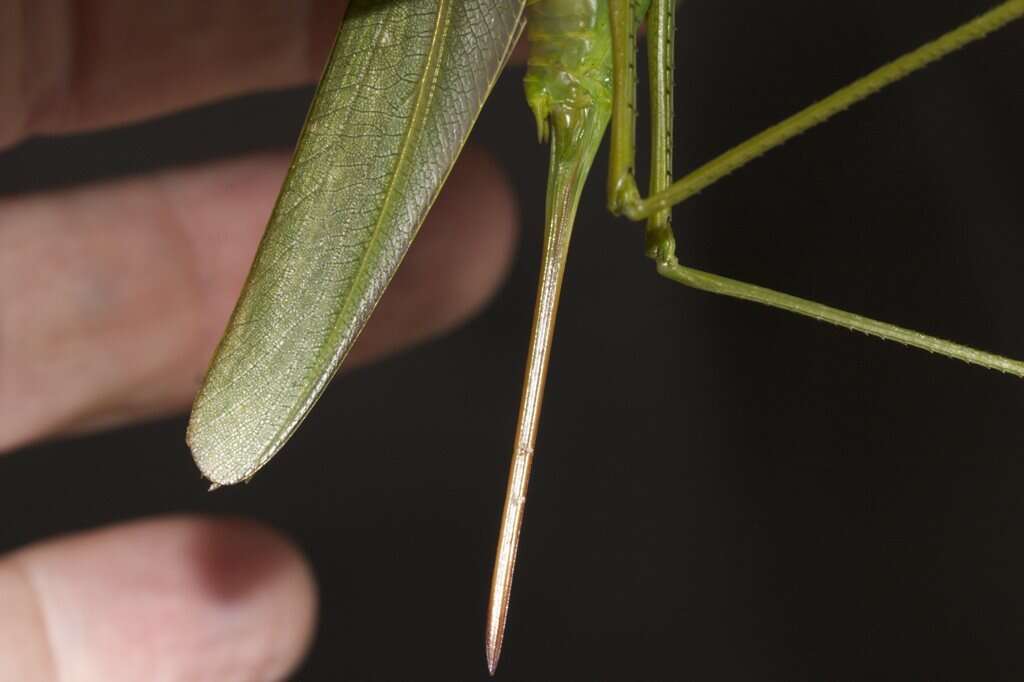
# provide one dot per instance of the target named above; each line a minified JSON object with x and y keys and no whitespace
{"x":722,"y":492}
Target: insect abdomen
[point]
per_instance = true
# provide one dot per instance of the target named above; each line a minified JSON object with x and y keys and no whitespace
{"x":569,"y":64}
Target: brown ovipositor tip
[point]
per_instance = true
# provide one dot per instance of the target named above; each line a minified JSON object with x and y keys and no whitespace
{"x":493,"y":654}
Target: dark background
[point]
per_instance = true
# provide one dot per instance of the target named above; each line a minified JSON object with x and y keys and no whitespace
{"x":722,"y":492}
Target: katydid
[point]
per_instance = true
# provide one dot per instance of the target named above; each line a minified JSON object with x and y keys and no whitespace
{"x":377,"y":146}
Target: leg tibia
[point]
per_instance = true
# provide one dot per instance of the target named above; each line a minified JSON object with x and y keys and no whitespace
{"x":660,"y":63}
{"x":621,"y":183}
{"x":717,"y":284}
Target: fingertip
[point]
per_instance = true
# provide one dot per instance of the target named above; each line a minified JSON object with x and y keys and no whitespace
{"x":186,"y":598}
{"x":262,"y":590}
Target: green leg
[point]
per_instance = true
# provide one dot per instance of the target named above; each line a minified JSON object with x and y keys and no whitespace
{"x":622,"y":190}
{"x":717,"y":284}
{"x":623,"y":194}
{"x":661,"y":65}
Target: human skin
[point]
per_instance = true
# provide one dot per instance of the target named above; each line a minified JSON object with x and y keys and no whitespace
{"x":113,"y":295}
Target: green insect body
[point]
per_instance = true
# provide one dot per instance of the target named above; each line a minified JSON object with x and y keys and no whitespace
{"x":399,"y":95}
{"x":580,"y":52}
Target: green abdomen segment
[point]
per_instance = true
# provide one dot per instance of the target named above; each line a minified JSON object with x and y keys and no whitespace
{"x":569,"y":65}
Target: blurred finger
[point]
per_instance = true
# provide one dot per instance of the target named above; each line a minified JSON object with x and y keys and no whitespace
{"x":113,"y":297}
{"x":186,"y":599}
{"x":70,"y":66}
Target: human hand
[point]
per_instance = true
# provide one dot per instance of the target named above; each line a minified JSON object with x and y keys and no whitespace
{"x":113,"y":296}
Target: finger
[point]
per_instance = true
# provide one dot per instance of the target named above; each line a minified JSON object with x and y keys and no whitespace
{"x":174,"y":599}
{"x":68,"y":66}
{"x":113,"y":297}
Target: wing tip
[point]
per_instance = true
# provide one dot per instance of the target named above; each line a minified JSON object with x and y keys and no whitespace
{"x":214,"y":467}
